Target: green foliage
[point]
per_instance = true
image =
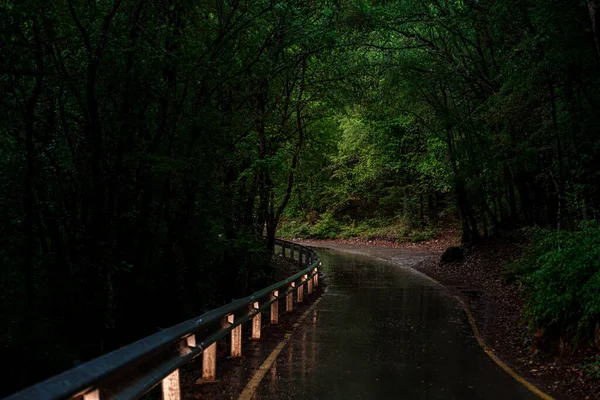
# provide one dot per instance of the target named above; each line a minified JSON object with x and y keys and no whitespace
{"x":326,"y":228}
{"x":292,"y":229}
{"x":591,"y":367}
{"x":561,"y":274}
{"x":144,"y":147}
{"x":423,"y":234}
{"x":396,"y":229}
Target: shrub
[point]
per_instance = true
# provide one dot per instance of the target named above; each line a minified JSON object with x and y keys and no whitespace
{"x":291,"y":229}
{"x":326,"y":228}
{"x":424,"y":234}
{"x":561,"y":274}
{"x":591,"y":367}
{"x":350,"y":231}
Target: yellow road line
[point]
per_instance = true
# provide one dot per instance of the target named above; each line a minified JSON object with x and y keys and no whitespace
{"x":251,"y":387}
{"x":489,"y":351}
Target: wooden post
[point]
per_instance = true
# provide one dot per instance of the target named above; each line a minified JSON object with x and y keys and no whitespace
{"x":209,"y":363}
{"x":170,"y":386}
{"x":289,"y":301}
{"x":256,"y":323}
{"x":310,"y":285}
{"x":236,"y":338}
{"x":274,"y":308}
{"x":93,"y":395}
{"x":316,"y":277}
{"x":300,"y":256}
{"x":283,"y":249}
{"x":301,"y":291}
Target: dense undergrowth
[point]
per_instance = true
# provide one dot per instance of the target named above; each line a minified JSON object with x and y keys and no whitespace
{"x":393,"y":229}
{"x":560,"y":271}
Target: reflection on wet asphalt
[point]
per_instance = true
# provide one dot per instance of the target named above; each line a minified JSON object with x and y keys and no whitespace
{"x":382,"y":332}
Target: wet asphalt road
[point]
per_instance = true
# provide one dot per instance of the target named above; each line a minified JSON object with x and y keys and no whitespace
{"x":383,"y":332}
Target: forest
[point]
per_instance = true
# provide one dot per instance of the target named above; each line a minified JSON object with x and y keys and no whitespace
{"x":151,"y":151}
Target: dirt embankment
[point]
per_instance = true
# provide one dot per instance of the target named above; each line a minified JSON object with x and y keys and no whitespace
{"x":498,"y":307}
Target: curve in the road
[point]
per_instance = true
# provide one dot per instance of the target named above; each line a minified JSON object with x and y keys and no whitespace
{"x":253,"y":386}
{"x":480,"y":341}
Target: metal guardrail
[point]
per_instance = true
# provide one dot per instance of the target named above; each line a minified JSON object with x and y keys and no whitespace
{"x":133,"y":370}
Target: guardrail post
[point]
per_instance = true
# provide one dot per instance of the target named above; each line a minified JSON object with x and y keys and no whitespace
{"x":256,"y":322}
{"x":209,"y":363}
{"x":93,"y":395}
{"x":289,"y":300}
{"x":275,"y":308}
{"x":236,"y":338}
{"x":301,"y":291}
{"x":170,"y":386}
{"x":114,"y":378}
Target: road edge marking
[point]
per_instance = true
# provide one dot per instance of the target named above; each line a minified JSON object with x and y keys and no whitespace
{"x":487,"y":350}
{"x":252,"y":385}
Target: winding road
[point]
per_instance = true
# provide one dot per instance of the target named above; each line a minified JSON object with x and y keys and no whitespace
{"x":384,"y":332}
